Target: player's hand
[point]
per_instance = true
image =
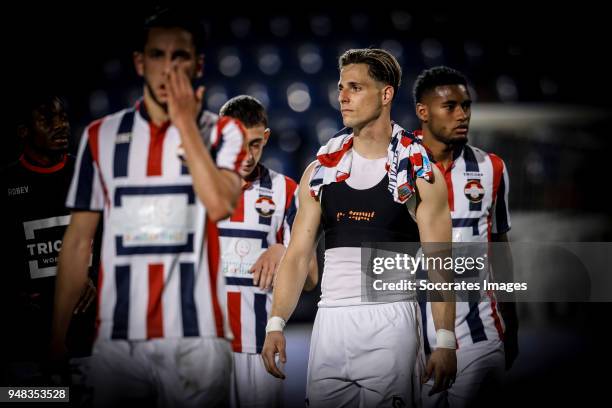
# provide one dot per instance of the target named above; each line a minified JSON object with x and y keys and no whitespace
{"x":442,"y":365}
{"x":274,"y":344}
{"x":88,"y":295}
{"x":265,"y":268}
{"x":184,"y":102}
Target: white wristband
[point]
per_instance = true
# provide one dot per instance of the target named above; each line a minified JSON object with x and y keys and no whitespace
{"x":446,"y":339}
{"x":275,"y":323}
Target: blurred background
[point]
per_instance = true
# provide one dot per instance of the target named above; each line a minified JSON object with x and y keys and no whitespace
{"x":542,"y":101}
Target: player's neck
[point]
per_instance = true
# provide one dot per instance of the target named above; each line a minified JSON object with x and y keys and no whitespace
{"x":159,"y":116}
{"x":372,"y":140}
{"x":42,"y":159}
{"x":442,"y":153}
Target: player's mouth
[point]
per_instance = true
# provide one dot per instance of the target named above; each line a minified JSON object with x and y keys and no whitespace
{"x":462,"y":129}
{"x":60,"y":137}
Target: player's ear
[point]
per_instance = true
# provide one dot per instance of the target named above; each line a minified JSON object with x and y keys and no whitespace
{"x":422,"y":112}
{"x":387,"y":94}
{"x":267,"y":133}
{"x":138,"y":58}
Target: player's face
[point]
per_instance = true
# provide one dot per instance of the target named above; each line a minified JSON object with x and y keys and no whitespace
{"x":360,"y":96}
{"x":448,"y":112}
{"x":50,"y":129}
{"x":256,"y":139}
{"x":165,"y":48}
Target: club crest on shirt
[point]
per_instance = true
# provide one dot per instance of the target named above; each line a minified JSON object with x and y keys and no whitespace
{"x":474,"y":191}
{"x":404,"y":191}
{"x":265,"y":206}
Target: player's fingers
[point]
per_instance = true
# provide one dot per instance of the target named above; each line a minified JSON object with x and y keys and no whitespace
{"x":200,"y":94}
{"x":438,"y":384}
{"x":82,"y":300}
{"x":283,"y":353}
{"x":90,"y":298}
{"x":269,"y":275}
{"x":256,"y":273}
{"x":184,"y":83}
{"x":266,"y":275}
{"x":77,"y":308}
{"x":174,"y":81}
{"x":271,"y":364}
{"x":266,"y":359}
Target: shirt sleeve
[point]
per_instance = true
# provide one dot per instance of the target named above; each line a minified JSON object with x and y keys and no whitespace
{"x":228,"y":144}
{"x":291,"y":206}
{"x":500,"y":210}
{"x":86,"y":191}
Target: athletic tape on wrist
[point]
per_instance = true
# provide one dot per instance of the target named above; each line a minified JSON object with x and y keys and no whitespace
{"x":275,"y":323}
{"x":446,"y":339}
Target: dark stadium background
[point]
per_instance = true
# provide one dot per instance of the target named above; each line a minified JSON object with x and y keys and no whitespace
{"x":542,"y":94}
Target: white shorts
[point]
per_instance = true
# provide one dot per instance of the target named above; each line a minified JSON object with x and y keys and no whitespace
{"x":365,"y":356}
{"x":252,"y":385}
{"x":186,"y":372}
{"x":480,"y":370}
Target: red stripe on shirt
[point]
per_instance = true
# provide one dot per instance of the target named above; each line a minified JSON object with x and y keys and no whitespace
{"x":213,"y":251}
{"x":238,"y":215}
{"x":155,"y":321}
{"x":498,"y":169}
{"x":290,"y":187}
{"x":448,"y":177}
{"x":156,"y":149}
{"x":495,"y":315}
{"x":93,"y":134}
{"x":233,"y":306}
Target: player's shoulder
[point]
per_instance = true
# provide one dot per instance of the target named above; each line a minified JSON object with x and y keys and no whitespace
{"x":277,"y":176}
{"x":112,"y":118}
{"x":481,"y":154}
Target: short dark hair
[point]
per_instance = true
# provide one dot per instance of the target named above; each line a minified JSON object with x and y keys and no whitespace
{"x":430,"y":78}
{"x":173,"y":18}
{"x":246,"y":109}
{"x":382,"y":66}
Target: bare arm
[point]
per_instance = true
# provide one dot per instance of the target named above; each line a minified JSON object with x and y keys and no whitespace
{"x":218,"y":189}
{"x":297,"y":262}
{"x":292,"y":272}
{"x":72,"y":270}
{"x":435,"y":229}
{"x":433,"y":219}
{"x":313,"y":274}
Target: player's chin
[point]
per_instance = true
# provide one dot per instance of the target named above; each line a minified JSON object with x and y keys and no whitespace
{"x":245,"y":171}
{"x":459,"y":138}
{"x":58,"y":146}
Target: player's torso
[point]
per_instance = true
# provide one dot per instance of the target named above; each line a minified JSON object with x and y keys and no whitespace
{"x":257,"y":223}
{"x":36,"y":207}
{"x":472,"y":186}
{"x":159,"y":267}
{"x":355,"y":211}
{"x":36,"y":219}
